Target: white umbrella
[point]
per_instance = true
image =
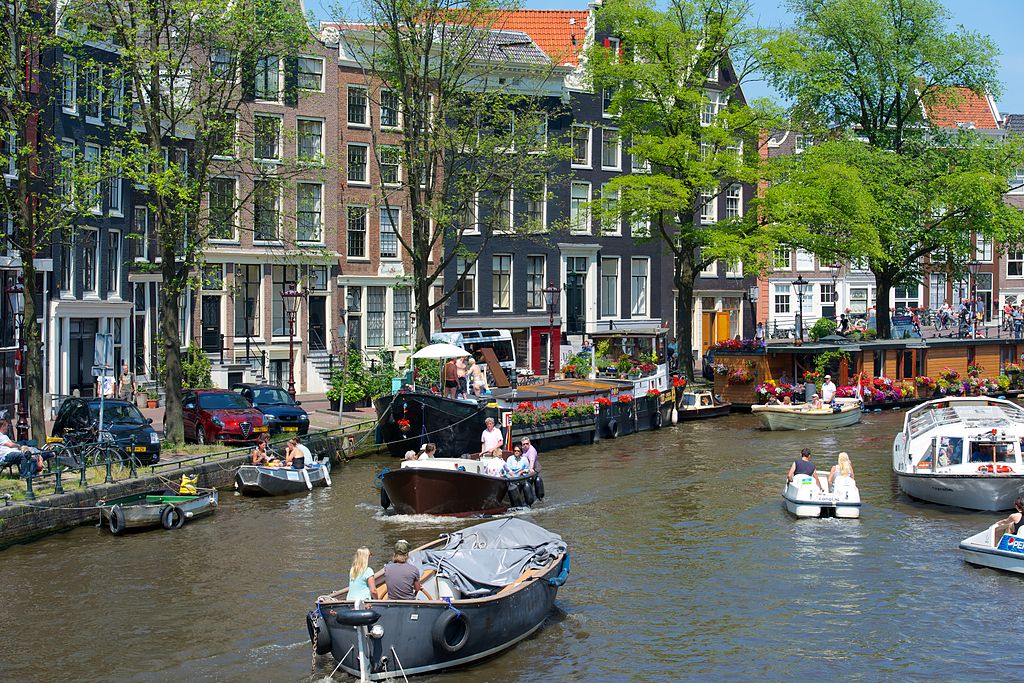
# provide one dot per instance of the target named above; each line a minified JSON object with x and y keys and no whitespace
{"x":441,"y":351}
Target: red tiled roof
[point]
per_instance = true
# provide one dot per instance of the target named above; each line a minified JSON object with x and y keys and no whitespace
{"x":559,"y":33}
{"x":959,"y":106}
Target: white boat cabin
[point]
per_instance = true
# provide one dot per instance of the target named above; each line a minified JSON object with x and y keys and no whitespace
{"x":694,"y":400}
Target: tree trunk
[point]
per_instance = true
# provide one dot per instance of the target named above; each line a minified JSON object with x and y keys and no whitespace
{"x":33,"y":360}
{"x":683,"y":280}
{"x":170,"y":297}
{"x":883,"y":289}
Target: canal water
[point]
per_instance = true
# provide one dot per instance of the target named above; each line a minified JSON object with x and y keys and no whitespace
{"x":685,"y":566}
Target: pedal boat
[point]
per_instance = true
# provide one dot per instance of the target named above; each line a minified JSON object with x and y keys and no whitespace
{"x":996,"y":549}
{"x":804,"y":499}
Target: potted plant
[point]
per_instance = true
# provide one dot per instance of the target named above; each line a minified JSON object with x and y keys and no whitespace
{"x":152,"y":398}
{"x":403,"y":424}
{"x":624,"y":365}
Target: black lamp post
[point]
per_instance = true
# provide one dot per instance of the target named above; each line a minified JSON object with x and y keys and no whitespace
{"x":291,"y":297}
{"x":549,"y":297}
{"x":16,"y":299}
{"x":753,"y":294}
{"x":835,"y":268}
{"x":800,"y":283}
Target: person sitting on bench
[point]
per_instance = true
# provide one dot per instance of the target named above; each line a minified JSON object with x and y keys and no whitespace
{"x":13,"y":454}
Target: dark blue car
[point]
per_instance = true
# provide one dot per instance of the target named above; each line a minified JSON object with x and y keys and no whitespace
{"x":282,"y":415}
{"x":130,"y":429}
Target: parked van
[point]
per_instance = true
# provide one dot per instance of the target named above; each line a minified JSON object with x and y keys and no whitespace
{"x":500,"y":341}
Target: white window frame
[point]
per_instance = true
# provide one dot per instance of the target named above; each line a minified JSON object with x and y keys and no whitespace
{"x":710,"y":270}
{"x":734,"y":193}
{"x":115,"y":186}
{"x":1015,"y":257}
{"x":277,"y":142}
{"x":280,"y":80}
{"x":575,"y":216}
{"x":231,"y":63}
{"x":91,"y":290}
{"x":69,"y":75}
{"x":93,"y":166}
{"x":616,"y":227}
{"x":144,"y":232}
{"x":116,"y":99}
{"x":472,"y":272}
{"x":366,"y":164}
{"x":277,"y":229}
{"x":114,"y":269}
{"x":715,"y":102}
{"x":320,"y":154}
{"x":319,"y":205}
{"x":708,"y":206}
{"x":396,"y":225}
{"x":1016,"y":182}
{"x":366,"y":106}
{"x":366,"y":232}
{"x":323,"y":73}
{"x":646,"y":292}
{"x":589,"y":161}
{"x":475,"y":211}
{"x":543,"y":280}
{"x":94,"y":80}
{"x":784,"y":255}
{"x":804,"y":260}
{"x":618,"y":149}
{"x":734,"y":269}
{"x":782,"y":299}
{"x":543,"y":204}
{"x":982,"y":249}
{"x":713,"y":74}
{"x":605,"y":314}
{"x":234,"y":213}
{"x":509,"y":210}
{"x":11,"y":144}
{"x":511,"y":283}
{"x":802,"y":142}
{"x":380,"y":111}
{"x":398,"y":164}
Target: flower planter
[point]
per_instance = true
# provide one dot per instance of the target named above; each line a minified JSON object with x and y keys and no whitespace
{"x":335,"y":404}
{"x":152,"y":402}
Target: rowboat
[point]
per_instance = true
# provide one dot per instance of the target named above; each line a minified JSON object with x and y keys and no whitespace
{"x":801,"y":417}
{"x":484,"y":589}
{"x":161,"y":507}
{"x":455,"y":486}
{"x":258,"y":480}
{"x":996,"y":549}
{"x":804,"y":499}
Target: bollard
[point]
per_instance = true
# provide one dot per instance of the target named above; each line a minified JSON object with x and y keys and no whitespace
{"x":109,"y":478}
{"x":131,"y":458}
{"x":58,"y":486}
{"x":29,"y":493}
{"x":82,"y":482}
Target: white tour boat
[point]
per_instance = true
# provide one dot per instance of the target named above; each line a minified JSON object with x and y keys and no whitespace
{"x":804,"y":499}
{"x":780,"y":417}
{"x":996,"y":549}
{"x":962,"y":451}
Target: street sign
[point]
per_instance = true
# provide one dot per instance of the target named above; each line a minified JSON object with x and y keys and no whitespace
{"x":506,"y":419}
{"x":103,"y":356}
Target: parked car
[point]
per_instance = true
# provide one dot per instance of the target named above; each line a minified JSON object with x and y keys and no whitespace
{"x":130,"y":429}
{"x":280,"y":413}
{"x":212,"y":415}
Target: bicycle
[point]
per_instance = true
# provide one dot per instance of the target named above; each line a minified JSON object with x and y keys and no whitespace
{"x":87,"y":448}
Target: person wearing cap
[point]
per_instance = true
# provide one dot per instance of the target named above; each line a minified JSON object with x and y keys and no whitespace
{"x":402,"y":577}
{"x":828,"y":390}
{"x":530,"y":453}
{"x":804,"y":466}
{"x":816,"y":403}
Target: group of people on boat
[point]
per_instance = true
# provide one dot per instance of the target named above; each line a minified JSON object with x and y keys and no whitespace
{"x":297,"y":454}
{"x":840,"y":473}
{"x":426,"y":452}
{"x":400,"y":576}
{"x":826,"y":399}
{"x":464,"y":377}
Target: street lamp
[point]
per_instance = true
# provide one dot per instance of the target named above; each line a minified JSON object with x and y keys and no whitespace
{"x":549,"y":297}
{"x":800,"y":283}
{"x":290,"y":297}
{"x":835,"y":268}
{"x":16,"y":300}
{"x":753,"y":294}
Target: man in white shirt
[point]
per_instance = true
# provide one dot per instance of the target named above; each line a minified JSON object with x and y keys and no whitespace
{"x":491,"y":437}
{"x":828,"y":390}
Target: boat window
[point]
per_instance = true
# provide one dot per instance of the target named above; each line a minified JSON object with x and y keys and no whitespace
{"x":951,"y":451}
{"x":689,"y":399}
{"x":990,"y":451}
{"x":925,"y":463}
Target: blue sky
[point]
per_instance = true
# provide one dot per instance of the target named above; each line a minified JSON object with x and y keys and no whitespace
{"x":1000,"y":19}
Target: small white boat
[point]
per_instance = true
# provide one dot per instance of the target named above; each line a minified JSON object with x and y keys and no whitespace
{"x":964,"y":452}
{"x":800,"y":417}
{"x":804,"y":499}
{"x":995,"y":549}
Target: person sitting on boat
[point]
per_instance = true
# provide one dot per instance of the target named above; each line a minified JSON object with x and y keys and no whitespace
{"x":493,"y":463}
{"x":296,"y":454}
{"x":705,"y":400}
{"x":804,"y":466}
{"x":828,"y":390}
{"x":517,"y":465}
{"x":410,"y":455}
{"x":773,"y":400}
{"x":462,"y":372}
{"x":817,"y":403}
{"x":530,"y":453}
{"x":1015,"y":521}
{"x":361,"y":585}
{"x":491,"y":437}
{"x":401,"y":577}
{"x":259,"y":454}
{"x":428,"y":451}
{"x":787,"y":401}
{"x":842,"y":472}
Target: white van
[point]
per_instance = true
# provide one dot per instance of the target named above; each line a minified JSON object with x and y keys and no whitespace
{"x":474,"y":340}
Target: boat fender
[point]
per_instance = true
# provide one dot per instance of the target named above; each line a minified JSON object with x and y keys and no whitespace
{"x":675,"y":415}
{"x":563,"y":574}
{"x":515,"y":497}
{"x":357,"y":617}
{"x":385,"y":499}
{"x":116,"y":521}
{"x":656,"y":419}
{"x":529,"y":495}
{"x":538,"y":486}
{"x":171,"y":517}
{"x":613,"y":428}
{"x":318,"y":633}
{"x":439,"y":632}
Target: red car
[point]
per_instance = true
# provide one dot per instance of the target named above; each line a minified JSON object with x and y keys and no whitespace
{"x":219,"y":415}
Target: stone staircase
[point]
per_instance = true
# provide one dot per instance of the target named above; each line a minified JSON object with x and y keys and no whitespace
{"x":321,"y":361}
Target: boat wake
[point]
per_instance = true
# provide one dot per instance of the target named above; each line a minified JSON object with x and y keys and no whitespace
{"x":448,"y":521}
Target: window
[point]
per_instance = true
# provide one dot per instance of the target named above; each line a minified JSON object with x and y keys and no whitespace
{"x":802,"y":142}
{"x":267,"y":133}
{"x":357,"y":218}
{"x":540,"y":132}
{"x":501,"y":282}
{"x":248,"y":284}
{"x":311,"y":138}
{"x":115,"y":187}
{"x":711,"y":269}
{"x":69,"y":94}
{"x":536,"y":204}
{"x":714,"y":103}
{"x":403,"y":309}
{"x":713,"y":74}
{"x":827,"y":292}
{"x":283,"y":278}
{"x":268,"y":78}
{"x":804,"y":260}
{"x":390,"y":165}
{"x":67,"y":170}
{"x":213,"y":277}
{"x":311,"y":74}
{"x":609,"y":288}
{"x":1017,"y":182}
{"x":611,"y":149}
{"x":859,"y":300}
{"x":9,"y":153}
{"x":94,"y":188}
{"x":93,"y":104}
{"x":222,"y":63}
{"x":389,"y":222}
{"x":375,"y":311}
{"x":535,"y":266}
{"x":581,"y":145}
{"x":579,"y":211}
{"x":357,"y":163}
{"x":734,"y":201}
{"x":140,"y":226}
{"x":982,"y":249}
{"x":358,"y":106}
{"x":266,"y":210}
{"x":606,"y":100}
{"x":1015,"y":264}
{"x":906,"y":297}
{"x":638,"y":286}
{"x":639,"y":164}
{"x":113,"y":262}
{"x":222,"y":208}
{"x":115,"y":98}
{"x":465,"y":290}
{"x":610,"y":201}
{"x":468,"y":220}
{"x":87,"y":268}
{"x":708,"y":206}
{"x":734,"y":268}
{"x":309,"y":212}
{"x":613,"y":46}
{"x":389,"y":113}
{"x":503,"y":212}
{"x":937,"y":290}
{"x":782,"y":303}
{"x":222,"y":131}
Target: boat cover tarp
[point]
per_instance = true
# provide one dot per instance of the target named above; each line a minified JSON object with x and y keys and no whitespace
{"x":488,"y":556}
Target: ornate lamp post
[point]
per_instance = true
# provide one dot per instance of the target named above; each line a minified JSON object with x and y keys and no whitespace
{"x":291,"y":297}
{"x":549,"y":297}
{"x":835,"y":268}
{"x":16,"y":300}
{"x":800,"y":284}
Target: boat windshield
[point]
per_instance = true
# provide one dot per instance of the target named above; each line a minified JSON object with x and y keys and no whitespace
{"x":951,"y":451}
{"x":992,"y":451}
{"x":689,"y":399}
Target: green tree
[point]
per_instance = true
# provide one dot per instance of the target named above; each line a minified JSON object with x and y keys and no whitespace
{"x":677,"y":97}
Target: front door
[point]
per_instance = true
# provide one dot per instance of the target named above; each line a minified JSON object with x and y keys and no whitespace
{"x":317,"y":323}
{"x":83,"y":346}
{"x":211,"y":324}
{"x":575,"y":294}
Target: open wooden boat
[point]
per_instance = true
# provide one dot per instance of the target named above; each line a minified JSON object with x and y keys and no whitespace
{"x":996,"y":549}
{"x":801,"y":416}
{"x":485,"y":589}
{"x":161,"y":507}
{"x":258,"y":480}
{"x":455,"y":486}
{"x":701,"y":403}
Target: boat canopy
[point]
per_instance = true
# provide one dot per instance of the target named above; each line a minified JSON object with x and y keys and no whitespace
{"x":491,"y":555}
{"x":441,"y":350}
{"x":971,"y":414}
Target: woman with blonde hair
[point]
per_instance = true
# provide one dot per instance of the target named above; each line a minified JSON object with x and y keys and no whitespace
{"x":361,"y":585}
{"x":842,"y":471}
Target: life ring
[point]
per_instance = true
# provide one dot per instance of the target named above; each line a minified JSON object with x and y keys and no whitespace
{"x":1004,"y":469}
{"x":357,"y":617}
{"x":385,"y":499}
{"x":450,"y":642}
{"x":986,"y":468}
{"x":317,"y":627}
{"x":656,"y":419}
{"x":171,"y":517}
{"x":515,"y":497}
{"x":538,"y":486}
{"x":613,"y":428}
{"x":116,"y":520}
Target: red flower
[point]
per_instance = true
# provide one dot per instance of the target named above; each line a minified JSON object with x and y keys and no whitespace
{"x":625,"y":398}
{"x":603,"y":401}
{"x":525,"y":405}
{"x":678,"y":382}
{"x":559,"y":405}
{"x":653,"y":392}
{"x":402,"y":422}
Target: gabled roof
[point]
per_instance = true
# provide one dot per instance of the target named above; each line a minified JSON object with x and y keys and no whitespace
{"x":960,"y":108}
{"x":560,"y":33}
{"x":1014,"y":122}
